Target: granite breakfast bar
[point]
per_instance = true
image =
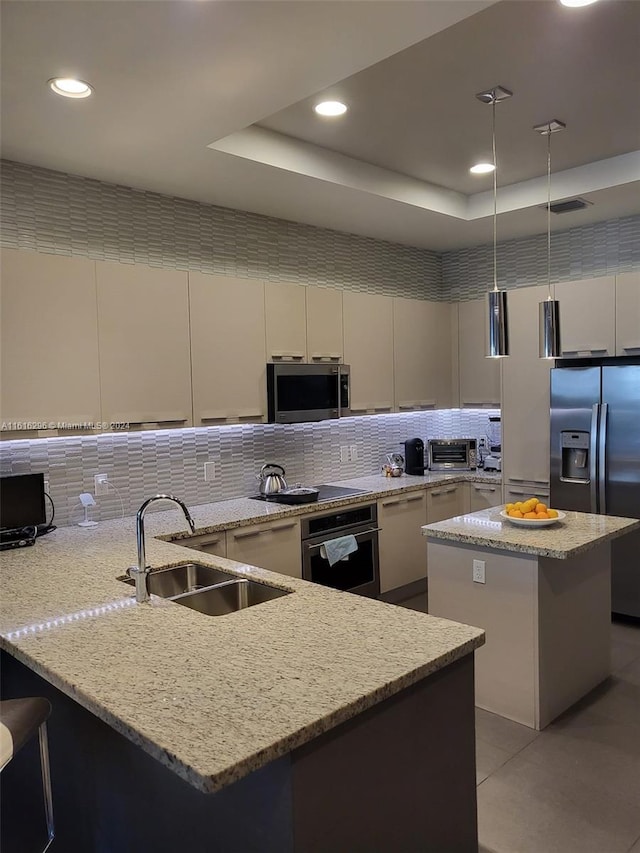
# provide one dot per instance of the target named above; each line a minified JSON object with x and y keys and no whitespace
{"x":544,"y":602}
{"x":319,"y":720}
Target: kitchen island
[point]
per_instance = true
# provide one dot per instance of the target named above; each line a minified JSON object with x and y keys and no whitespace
{"x":318,"y":720}
{"x":542,"y":595}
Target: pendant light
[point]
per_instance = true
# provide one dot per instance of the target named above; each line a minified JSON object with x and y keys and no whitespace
{"x":498,"y":330}
{"x":549,"y":310}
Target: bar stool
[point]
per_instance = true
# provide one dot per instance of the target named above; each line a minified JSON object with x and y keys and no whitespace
{"x":19,"y":721}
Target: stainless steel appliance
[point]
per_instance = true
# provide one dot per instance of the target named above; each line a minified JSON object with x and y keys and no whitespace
{"x":595,"y":458}
{"x":452,"y":454}
{"x":271,"y":482}
{"x":299,"y":393}
{"x":359,"y":572}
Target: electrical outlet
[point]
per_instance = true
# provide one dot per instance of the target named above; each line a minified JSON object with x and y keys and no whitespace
{"x":46,"y":486}
{"x":478,"y":571}
{"x":101,"y":484}
{"x":353,"y":452}
{"x":344,"y":453}
{"x":209,"y":471}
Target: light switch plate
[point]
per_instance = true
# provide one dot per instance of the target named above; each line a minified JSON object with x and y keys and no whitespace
{"x":209,"y":471}
{"x":344,"y":453}
{"x":353,"y":452}
{"x":478,"y":571}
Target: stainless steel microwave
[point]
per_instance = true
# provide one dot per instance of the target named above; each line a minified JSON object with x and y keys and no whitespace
{"x":451,"y":454}
{"x":298,"y":393}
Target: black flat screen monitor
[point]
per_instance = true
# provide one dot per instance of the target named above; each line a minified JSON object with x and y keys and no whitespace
{"x":22,"y":501}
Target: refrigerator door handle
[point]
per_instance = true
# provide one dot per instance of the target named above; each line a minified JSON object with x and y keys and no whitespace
{"x":593,"y":457}
{"x":602,"y":458}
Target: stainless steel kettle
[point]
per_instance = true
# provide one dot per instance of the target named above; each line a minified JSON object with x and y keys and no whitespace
{"x":270,"y":481}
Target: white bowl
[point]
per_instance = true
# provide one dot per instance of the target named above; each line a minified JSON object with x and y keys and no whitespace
{"x":533,"y":522}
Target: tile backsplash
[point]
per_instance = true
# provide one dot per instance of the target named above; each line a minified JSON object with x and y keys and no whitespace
{"x":141,"y":464}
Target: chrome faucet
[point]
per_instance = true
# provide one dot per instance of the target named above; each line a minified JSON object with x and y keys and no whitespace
{"x":141,"y":571}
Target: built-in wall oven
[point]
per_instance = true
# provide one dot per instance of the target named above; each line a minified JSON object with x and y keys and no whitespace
{"x":359,"y":571}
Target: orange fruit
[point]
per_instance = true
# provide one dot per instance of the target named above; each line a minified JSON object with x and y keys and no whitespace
{"x":533,"y":515}
{"x":542,"y":515}
{"x":541,"y":508}
{"x":515,"y":513}
{"x":552,"y":513}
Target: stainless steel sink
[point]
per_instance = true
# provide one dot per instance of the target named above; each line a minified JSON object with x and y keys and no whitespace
{"x":208,"y":590}
{"x":229,"y":597}
{"x":188,"y":577}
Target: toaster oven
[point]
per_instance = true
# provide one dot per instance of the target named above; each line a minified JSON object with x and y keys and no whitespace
{"x":452,"y":454}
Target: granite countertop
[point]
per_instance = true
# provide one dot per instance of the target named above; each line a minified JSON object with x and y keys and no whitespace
{"x":238,"y":512}
{"x":213,"y":698}
{"x":578,"y":532}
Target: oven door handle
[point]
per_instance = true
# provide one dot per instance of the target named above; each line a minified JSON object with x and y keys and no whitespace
{"x":317,"y":546}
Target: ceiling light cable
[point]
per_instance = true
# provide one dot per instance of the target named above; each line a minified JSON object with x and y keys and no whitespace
{"x":497,"y":327}
{"x":549,"y":310}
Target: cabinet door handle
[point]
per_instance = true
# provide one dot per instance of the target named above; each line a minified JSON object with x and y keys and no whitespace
{"x":475,"y":404}
{"x":398,"y":501}
{"x":437,"y":492}
{"x":246,"y":534}
{"x":287,"y":356}
{"x":632,"y":349}
{"x":329,"y":356}
{"x":417,"y":404}
{"x":485,"y":488}
{"x":586,"y":350}
{"x":206,"y":540}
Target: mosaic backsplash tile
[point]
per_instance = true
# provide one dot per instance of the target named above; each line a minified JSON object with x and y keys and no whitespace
{"x":590,"y":251}
{"x":53,"y":212}
{"x":144,"y":463}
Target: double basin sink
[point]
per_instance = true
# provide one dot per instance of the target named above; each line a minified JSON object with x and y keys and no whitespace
{"x":208,"y":590}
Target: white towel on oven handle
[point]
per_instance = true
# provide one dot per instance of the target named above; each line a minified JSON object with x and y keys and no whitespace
{"x":334,"y":550}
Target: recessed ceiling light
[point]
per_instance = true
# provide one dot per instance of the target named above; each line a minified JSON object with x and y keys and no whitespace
{"x":330,"y":108}
{"x":482,"y":168}
{"x":574,"y":3}
{"x":69,"y":87}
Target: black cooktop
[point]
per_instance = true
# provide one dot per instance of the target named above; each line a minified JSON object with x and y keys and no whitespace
{"x":326,"y":493}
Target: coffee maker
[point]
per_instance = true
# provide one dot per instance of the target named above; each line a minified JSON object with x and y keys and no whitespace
{"x":414,"y":456}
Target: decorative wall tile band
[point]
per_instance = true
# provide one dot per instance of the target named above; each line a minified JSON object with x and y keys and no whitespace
{"x":605,"y":248}
{"x":56,"y":213}
{"x":144,"y":463}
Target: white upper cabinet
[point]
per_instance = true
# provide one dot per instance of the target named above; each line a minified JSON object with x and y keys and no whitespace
{"x":228,"y":354}
{"x":49,"y":341}
{"x":422,"y":354}
{"x":368,"y":348}
{"x":525,"y":393}
{"x":587,"y":317}
{"x":324,"y":324}
{"x":479,"y":376}
{"x":285,"y":306}
{"x":143,"y":327}
{"x":628,"y":314}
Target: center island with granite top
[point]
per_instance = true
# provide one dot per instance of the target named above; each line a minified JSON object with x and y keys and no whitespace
{"x":319,"y":720}
{"x":543,"y":596}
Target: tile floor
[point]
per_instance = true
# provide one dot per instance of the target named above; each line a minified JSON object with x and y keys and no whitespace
{"x":574,"y":787}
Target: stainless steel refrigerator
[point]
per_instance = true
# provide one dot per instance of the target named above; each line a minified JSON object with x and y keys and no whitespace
{"x":595,"y":459}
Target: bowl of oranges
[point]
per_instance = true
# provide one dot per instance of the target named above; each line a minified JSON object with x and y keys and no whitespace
{"x":531,"y":513}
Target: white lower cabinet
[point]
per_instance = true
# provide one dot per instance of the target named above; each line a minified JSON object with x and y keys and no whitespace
{"x":445,"y":501}
{"x":484,"y":495}
{"x":274,"y":546}
{"x":403,"y":548}
{"x":214,"y":544}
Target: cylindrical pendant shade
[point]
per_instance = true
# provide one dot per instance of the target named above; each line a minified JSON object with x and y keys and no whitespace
{"x":498,"y":331}
{"x":549,"y":329}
